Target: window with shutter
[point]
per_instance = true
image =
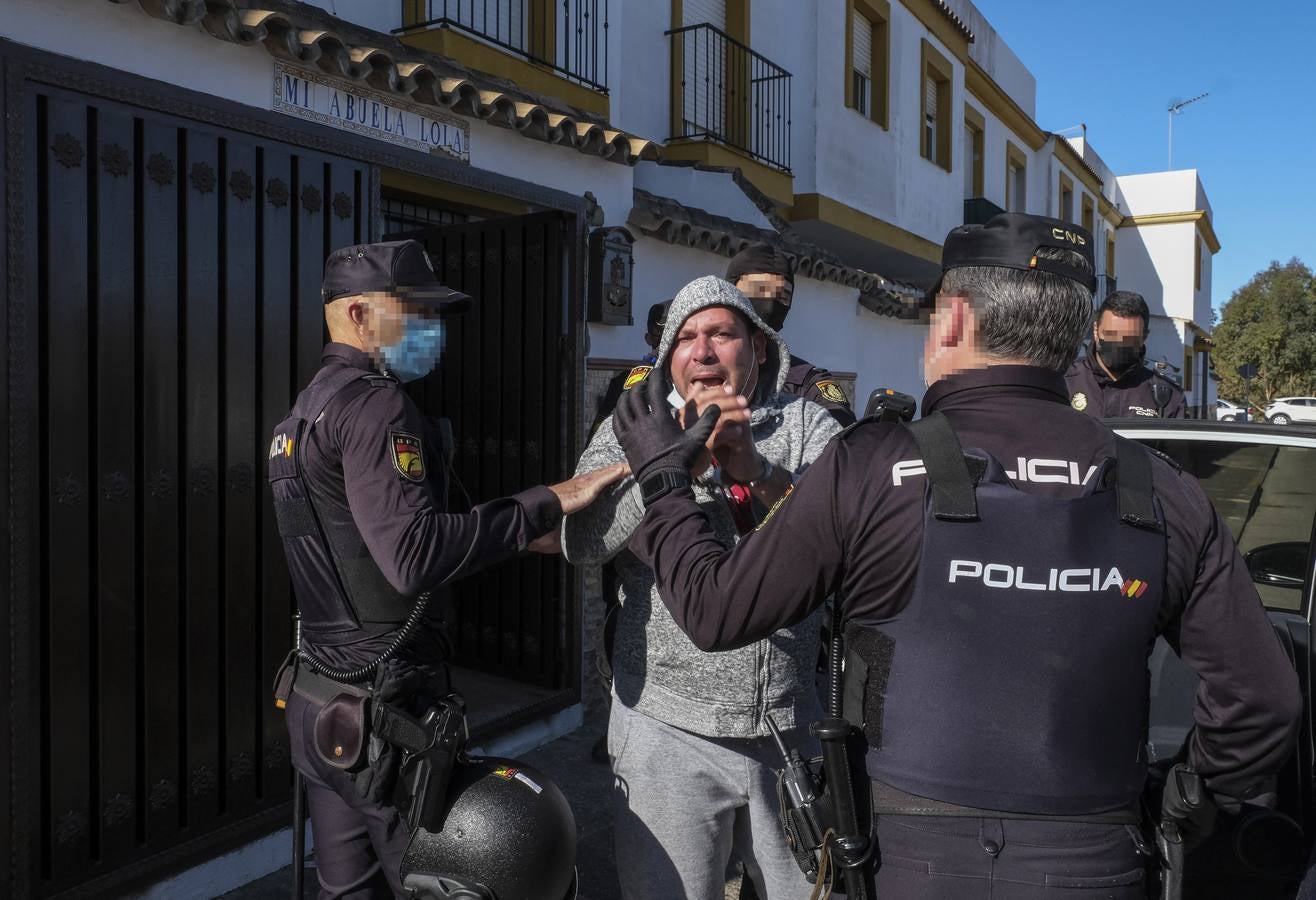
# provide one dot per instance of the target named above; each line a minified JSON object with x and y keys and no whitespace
{"x":929,"y":117}
{"x":704,"y":68}
{"x":861,"y":53}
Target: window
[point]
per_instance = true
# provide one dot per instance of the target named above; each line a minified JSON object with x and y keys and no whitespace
{"x":1110,"y":256}
{"x":1089,"y":213}
{"x":973,"y":152}
{"x":1197,"y":263}
{"x":1016,"y":179}
{"x":1066,"y":210}
{"x":1188,"y":368}
{"x":866,"y":54}
{"x":934,"y":131}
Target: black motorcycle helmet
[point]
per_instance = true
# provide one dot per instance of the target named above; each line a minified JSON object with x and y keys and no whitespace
{"x":507,"y":833}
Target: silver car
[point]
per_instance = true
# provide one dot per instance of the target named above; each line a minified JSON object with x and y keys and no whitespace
{"x":1284,"y":410}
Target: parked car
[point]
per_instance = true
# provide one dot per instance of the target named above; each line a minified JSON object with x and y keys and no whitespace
{"x":1229,"y":412}
{"x":1291,"y":409}
{"x":1260,"y":479}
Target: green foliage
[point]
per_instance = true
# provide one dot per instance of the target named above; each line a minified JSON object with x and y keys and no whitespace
{"x":1270,"y":321}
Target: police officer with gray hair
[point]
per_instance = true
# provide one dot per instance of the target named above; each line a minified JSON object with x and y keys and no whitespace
{"x":1006,"y":564}
{"x":357,"y":483}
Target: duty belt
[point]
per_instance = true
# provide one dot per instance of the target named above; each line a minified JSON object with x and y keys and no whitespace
{"x":891,"y":801}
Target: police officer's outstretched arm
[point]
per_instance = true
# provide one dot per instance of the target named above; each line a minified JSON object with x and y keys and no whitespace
{"x":1248,"y":704}
{"x":722,"y":598}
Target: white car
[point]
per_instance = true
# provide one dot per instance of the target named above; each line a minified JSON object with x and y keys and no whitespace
{"x":1284,"y":410}
{"x":1228,"y":412}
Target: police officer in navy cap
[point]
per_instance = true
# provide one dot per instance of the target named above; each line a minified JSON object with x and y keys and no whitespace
{"x":357,"y":481}
{"x":1006,"y":564}
{"x":1111,"y":381}
{"x":766,"y":276}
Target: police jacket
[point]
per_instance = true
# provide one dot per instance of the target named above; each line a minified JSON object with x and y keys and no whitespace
{"x":804,"y":379}
{"x":375,"y":479}
{"x":1134,"y":393}
{"x":854,"y":526}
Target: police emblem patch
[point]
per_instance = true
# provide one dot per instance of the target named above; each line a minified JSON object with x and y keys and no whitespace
{"x":637,"y":375}
{"x":832,"y":391}
{"x":1079,"y":401}
{"x":408,"y":455}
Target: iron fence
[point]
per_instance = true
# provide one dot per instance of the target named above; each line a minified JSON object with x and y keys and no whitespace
{"x":724,"y":91}
{"x":570,"y":37}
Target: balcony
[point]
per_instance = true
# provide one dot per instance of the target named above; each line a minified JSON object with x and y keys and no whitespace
{"x":725,"y":92}
{"x":568,"y":37}
{"x":978,"y":210}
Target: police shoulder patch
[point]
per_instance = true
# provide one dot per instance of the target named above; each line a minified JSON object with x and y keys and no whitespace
{"x":636,"y":375}
{"x":831,"y":391}
{"x":1079,"y":401}
{"x":408,"y":455}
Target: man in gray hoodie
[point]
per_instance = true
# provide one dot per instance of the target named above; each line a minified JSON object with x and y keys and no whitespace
{"x":692,"y":759}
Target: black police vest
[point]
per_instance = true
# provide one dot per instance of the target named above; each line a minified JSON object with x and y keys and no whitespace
{"x":1016,"y":677}
{"x":340,"y":590}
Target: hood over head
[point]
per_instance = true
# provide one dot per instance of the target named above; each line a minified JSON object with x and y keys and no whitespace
{"x":713,"y":291}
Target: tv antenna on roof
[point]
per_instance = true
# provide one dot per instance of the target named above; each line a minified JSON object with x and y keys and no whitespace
{"x":1175,"y":108}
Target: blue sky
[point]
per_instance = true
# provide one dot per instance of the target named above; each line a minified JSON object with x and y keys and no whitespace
{"x":1116,"y":65}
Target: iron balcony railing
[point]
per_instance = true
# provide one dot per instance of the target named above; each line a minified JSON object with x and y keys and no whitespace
{"x":568,"y":36}
{"x":978,"y":210}
{"x":724,"y":91}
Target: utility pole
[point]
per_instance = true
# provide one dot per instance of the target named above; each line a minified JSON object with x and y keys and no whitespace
{"x":1174,"y":110}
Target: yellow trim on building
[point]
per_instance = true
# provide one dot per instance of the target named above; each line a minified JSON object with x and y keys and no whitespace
{"x":822,"y":208}
{"x":778,"y":185}
{"x":935,"y":21}
{"x":1066,"y":184}
{"x":1015,"y":158}
{"x":464,"y":197}
{"x":1088,"y":214}
{"x":1109,"y":212}
{"x":1199,"y":216}
{"x":494,"y":61}
{"x":1069,"y":157}
{"x":1001,"y":105}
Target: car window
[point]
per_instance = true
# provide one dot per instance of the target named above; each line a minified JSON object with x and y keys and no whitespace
{"x":1266,"y":494}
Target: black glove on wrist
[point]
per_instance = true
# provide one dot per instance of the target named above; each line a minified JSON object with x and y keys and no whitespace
{"x":659,"y":451}
{"x":1186,"y":803}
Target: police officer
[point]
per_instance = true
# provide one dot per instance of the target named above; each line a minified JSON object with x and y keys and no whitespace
{"x":653,"y":334}
{"x":356,"y":478}
{"x":767,"y":278}
{"x":1006,"y":564}
{"x":1111,"y":381}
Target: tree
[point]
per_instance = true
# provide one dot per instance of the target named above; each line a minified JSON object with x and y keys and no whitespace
{"x":1270,"y":321}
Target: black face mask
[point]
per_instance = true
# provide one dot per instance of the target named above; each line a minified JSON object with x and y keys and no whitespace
{"x":1120,"y":357}
{"x":770,"y":311}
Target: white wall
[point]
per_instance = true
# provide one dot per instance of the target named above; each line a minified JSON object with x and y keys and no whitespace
{"x":710,"y":191}
{"x":379,"y":15}
{"x":990,"y":51}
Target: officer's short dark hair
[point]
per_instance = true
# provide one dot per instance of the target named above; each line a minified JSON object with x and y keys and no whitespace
{"x":1126,"y":305}
{"x":1027,"y":314}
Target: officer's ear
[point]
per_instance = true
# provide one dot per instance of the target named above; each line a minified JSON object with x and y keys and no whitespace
{"x":952,"y":321}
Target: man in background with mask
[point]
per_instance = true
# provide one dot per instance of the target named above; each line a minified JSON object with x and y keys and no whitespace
{"x":690,"y":747}
{"x":1111,"y":381}
{"x":357,"y":482}
{"x":764,"y":275}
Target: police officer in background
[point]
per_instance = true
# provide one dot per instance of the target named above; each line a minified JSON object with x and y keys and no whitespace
{"x":1006,"y":564}
{"x":357,"y":482}
{"x":767,"y":278}
{"x":653,"y":334}
{"x":1111,"y":381}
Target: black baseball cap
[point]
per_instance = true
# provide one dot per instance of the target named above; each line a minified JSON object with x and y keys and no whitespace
{"x":401,"y":268}
{"x":1011,"y":240}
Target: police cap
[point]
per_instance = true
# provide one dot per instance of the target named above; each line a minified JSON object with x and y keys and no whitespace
{"x":401,"y":268}
{"x":1011,"y":240}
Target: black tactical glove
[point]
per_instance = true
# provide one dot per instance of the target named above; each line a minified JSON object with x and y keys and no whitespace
{"x":659,"y":451}
{"x":1187,"y":806}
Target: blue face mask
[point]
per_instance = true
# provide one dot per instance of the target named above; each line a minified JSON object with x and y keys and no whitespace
{"x":417,"y":353}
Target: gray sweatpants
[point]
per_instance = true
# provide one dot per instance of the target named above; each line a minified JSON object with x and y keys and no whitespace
{"x":684,"y":803}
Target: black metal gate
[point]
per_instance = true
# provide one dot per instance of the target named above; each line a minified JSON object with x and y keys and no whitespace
{"x":169,"y":310}
{"x":503,"y":382}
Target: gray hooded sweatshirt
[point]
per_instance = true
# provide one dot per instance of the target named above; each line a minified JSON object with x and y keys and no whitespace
{"x":656,"y":670}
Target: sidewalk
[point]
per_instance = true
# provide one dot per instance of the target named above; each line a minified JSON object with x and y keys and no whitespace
{"x":588,"y":786}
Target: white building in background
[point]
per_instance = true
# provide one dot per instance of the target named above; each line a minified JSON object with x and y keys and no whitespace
{"x":176,"y":171}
